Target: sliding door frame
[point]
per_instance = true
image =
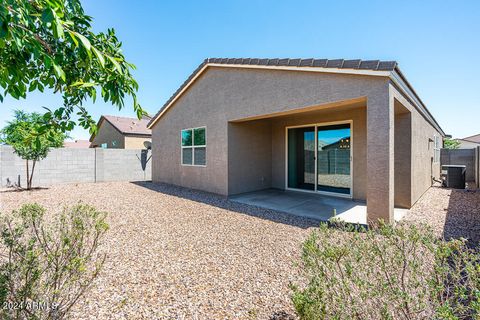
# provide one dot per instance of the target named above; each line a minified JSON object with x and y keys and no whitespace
{"x":316,"y":126}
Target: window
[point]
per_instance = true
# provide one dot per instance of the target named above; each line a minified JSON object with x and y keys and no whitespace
{"x":437,"y":145}
{"x":104,"y":145}
{"x":194,"y":147}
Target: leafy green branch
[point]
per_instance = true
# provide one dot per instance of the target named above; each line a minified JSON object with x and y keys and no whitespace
{"x":51,"y":44}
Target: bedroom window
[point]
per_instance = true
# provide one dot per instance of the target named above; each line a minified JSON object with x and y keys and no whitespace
{"x":194,"y":146}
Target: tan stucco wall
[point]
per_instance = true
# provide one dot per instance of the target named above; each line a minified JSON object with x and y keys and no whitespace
{"x":136,"y":142}
{"x":422,"y":150}
{"x":221,"y":95}
{"x":250,"y":156}
{"x":108,"y":134}
{"x":402,"y":157}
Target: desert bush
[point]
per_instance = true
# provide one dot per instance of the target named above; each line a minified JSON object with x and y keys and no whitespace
{"x":401,"y":272}
{"x":46,"y":267}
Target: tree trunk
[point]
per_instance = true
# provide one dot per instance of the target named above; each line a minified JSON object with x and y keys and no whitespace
{"x":28,"y":177}
{"x":31,"y":173}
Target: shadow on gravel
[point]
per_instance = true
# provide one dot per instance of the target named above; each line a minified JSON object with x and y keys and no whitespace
{"x":281,"y":315}
{"x":224,"y":203}
{"x":23,"y":190}
{"x":463,"y":216}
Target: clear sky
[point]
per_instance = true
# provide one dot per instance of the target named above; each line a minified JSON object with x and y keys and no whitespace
{"x":437,"y":45}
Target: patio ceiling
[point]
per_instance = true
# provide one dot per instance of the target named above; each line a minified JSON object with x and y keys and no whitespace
{"x":343,"y":105}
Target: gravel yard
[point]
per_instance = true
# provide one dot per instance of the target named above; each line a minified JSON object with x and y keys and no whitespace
{"x":178,"y":253}
{"x":452,"y":213}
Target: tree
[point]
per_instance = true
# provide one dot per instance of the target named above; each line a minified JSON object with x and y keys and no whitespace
{"x":50,"y":44}
{"x":31,"y":139}
{"x":451,"y":144}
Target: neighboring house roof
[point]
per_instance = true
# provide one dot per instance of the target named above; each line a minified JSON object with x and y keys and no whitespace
{"x":334,"y":144}
{"x":474,"y":138}
{"x":357,"y":66}
{"x":126,"y":126}
{"x":76,"y":144}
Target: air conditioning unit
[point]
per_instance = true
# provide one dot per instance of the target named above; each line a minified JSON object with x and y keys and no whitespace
{"x":453,"y":176}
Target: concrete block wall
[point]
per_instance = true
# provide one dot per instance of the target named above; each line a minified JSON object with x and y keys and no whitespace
{"x":77,"y":166}
{"x":123,"y":165}
{"x":465,"y":157}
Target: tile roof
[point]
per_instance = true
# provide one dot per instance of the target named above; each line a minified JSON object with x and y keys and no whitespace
{"x":76,"y":144}
{"x":374,"y":65}
{"x":126,"y":125}
{"x":130,"y":125}
{"x":474,"y":138}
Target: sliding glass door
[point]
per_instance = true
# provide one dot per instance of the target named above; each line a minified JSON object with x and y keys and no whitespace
{"x":301,"y":158}
{"x":319,"y":158}
{"x":333,"y":158}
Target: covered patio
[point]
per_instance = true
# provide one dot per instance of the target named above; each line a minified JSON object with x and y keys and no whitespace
{"x":312,"y":161}
{"x":311,"y":205}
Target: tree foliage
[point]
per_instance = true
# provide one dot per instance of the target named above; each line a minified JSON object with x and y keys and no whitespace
{"x":451,"y":144}
{"x":31,"y":138}
{"x":48,"y":263}
{"x":51,"y":44}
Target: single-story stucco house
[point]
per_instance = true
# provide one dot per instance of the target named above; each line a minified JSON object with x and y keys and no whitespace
{"x":348,"y":128}
{"x":114,"y":132}
{"x":470,"y":142}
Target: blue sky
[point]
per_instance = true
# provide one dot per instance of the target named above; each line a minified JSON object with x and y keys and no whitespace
{"x":435,"y":42}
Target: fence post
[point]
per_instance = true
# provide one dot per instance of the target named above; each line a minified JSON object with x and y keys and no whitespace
{"x":1,"y":176}
{"x":477,"y":167}
{"x":1,"y":167}
{"x":95,"y":165}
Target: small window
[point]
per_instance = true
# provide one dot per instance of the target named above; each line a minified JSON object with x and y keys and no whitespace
{"x":194,"y":146}
{"x":437,"y":145}
{"x":104,"y":145}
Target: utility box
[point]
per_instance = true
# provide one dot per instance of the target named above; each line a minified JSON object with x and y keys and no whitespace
{"x":453,"y":176}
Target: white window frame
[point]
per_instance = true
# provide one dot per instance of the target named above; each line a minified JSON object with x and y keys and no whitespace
{"x":317,"y":126}
{"x":436,"y":148}
{"x":193,"y":146}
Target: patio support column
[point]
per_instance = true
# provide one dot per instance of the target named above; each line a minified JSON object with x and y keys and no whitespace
{"x":380,"y":157}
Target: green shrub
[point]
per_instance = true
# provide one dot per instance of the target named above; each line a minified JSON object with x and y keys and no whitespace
{"x":46,"y":267}
{"x":401,"y":272}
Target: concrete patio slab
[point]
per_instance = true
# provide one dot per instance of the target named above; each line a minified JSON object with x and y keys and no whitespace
{"x":310,"y":205}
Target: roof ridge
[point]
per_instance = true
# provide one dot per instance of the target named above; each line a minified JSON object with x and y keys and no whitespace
{"x":124,"y":117}
{"x":473,"y":135}
{"x":376,"y":64}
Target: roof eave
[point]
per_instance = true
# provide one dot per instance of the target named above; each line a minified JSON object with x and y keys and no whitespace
{"x":132,"y":134}
{"x":398,"y":78}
